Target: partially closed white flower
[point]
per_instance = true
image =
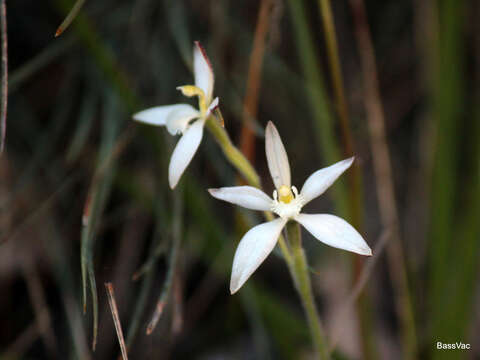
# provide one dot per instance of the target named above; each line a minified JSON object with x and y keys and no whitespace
{"x":184,"y":119}
{"x":287,"y":203}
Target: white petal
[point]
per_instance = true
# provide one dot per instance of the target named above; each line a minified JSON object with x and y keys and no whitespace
{"x":202,"y":70}
{"x":334,"y":231}
{"x":276,"y":157}
{"x":184,"y":151}
{"x":158,"y":115}
{"x":321,"y":180}
{"x":246,"y":196}
{"x":254,"y":247}
{"x":178,"y":119}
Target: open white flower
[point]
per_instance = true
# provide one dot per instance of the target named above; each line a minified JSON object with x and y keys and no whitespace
{"x":184,"y":119}
{"x":287,"y":203}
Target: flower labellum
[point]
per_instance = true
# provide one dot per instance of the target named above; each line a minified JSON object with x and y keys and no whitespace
{"x":184,"y":119}
{"x":287,"y":203}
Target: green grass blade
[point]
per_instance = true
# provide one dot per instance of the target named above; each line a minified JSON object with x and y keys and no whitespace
{"x":70,"y":17}
{"x":322,"y":115}
{"x":96,"y":201}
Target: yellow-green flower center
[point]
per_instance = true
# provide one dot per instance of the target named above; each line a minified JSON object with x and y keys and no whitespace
{"x":285,"y":194}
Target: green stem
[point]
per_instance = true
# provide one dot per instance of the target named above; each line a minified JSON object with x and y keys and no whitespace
{"x":233,"y":155}
{"x":304,"y":288}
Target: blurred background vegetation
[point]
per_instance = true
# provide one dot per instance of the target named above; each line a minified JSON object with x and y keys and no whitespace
{"x":396,"y":83}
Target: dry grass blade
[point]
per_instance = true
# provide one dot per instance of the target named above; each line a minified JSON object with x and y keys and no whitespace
{"x":42,"y":208}
{"x":173,"y":260}
{"x":250,"y":103}
{"x":71,"y":15}
{"x":3,"y":105}
{"x":38,"y":300}
{"x":116,"y":319}
{"x":22,"y":342}
{"x":359,"y":285}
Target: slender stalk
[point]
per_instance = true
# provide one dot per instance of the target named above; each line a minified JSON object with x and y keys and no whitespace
{"x":234,"y":156}
{"x":304,"y":288}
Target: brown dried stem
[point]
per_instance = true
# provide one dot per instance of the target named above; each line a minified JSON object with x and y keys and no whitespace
{"x":250,"y":103}
{"x":116,"y":319}
{"x":384,"y":177}
{"x":3,"y":105}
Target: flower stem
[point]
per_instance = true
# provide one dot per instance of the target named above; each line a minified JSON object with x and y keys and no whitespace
{"x":304,"y":288}
{"x":233,"y":155}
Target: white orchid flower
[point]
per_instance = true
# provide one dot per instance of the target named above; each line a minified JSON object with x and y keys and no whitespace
{"x":184,"y":119}
{"x":287,"y":203}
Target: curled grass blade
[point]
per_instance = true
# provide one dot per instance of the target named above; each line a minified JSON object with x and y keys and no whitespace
{"x":96,"y":200}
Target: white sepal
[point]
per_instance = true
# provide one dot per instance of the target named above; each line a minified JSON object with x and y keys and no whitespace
{"x":158,"y":115}
{"x":277,"y":158}
{"x":246,"y":196}
{"x":202,"y":70}
{"x":184,"y":151}
{"x":178,"y":119}
{"x":252,"y":250}
{"x":322,"y":179}
{"x":334,"y":231}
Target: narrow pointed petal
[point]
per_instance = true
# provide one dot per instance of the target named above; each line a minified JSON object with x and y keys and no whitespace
{"x":334,"y":231}
{"x":184,"y":151}
{"x":246,"y":196}
{"x":252,"y":250}
{"x":277,"y":158}
{"x":179,"y":118}
{"x":320,"y":180}
{"x":213,"y":105}
{"x":158,"y":115}
{"x":203,"y":72}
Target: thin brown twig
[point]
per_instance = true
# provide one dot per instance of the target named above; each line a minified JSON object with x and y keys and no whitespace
{"x":38,"y":300}
{"x":363,"y":277}
{"x":3,"y":105}
{"x":177,"y":317}
{"x":116,"y":319}
{"x":30,"y":218}
{"x":250,"y":103}
{"x":383,"y":176}
{"x":22,"y":342}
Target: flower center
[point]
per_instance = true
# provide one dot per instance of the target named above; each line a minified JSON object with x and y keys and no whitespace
{"x":192,"y":90}
{"x":285,"y":194}
{"x":287,"y":202}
